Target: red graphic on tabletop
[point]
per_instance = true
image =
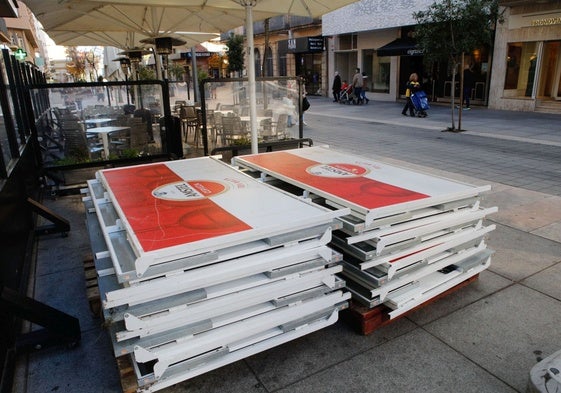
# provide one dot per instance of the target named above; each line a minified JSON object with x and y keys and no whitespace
{"x":345,"y":181}
{"x":342,"y":171}
{"x":186,"y":215}
{"x":189,"y":190}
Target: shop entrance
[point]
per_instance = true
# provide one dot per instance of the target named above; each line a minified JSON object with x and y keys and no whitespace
{"x":346,"y":63}
{"x":308,"y":66}
{"x":550,"y":71}
{"x":407,"y":66}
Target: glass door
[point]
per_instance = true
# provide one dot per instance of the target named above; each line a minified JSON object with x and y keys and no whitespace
{"x":550,"y":72}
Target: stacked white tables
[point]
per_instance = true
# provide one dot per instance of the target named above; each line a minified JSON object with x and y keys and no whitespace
{"x":410,"y":236}
{"x":201,"y":265}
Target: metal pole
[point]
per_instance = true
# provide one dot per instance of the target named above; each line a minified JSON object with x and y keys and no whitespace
{"x":195,"y":76}
{"x":158,"y":62}
{"x":251,"y":79}
{"x":127,"y":88}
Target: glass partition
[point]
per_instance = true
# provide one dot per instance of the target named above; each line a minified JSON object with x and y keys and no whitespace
{"x":100,"y":122}
{"x":224,"y":116}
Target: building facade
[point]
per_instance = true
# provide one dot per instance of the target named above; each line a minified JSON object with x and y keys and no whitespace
{"x":527,"y":69}
{"x":356,"y":33}
{"x":291,"y":46}
{"x":26,"y":37}
{"x":521,"y":72}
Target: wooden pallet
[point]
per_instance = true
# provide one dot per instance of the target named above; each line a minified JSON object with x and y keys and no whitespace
{"x":129,"y":383}
{"x":92,"y":289}
{"x":366,"y":320}
{"x":127,"y":375}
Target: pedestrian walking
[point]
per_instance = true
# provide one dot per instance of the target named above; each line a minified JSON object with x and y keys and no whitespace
{"x":363,"y":91}
{"x":336,"y":87}
{"x":413,"y":85}
{"x":469,"y":83}
{"x":357,"y":83}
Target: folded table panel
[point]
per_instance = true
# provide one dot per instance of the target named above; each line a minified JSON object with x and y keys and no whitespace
{"x":173,"y":210}
{"x":369,"y":188}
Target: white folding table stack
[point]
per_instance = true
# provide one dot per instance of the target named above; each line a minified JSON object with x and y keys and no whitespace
{"x":200,"y":265}
{"x":409,"y":237}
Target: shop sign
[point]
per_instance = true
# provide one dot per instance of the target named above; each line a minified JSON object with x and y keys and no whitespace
{"x":187,"y":55}
{"x":20,"y":54}
{"x":546,"y":21}
{"x":315,"y":44}
{"x":301,"y":45}
{"x":534,"y":20}
{"x":291,"y":44}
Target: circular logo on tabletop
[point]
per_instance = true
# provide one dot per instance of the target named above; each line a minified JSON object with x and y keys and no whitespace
{"x":337,"y":170}
{"x":189,"y":190}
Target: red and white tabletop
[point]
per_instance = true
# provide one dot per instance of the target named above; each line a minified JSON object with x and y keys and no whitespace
{"x":190,"y":206}
{"x":368,"y":187}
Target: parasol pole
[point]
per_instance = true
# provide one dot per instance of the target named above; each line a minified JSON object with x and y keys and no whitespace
{"x":251,"y":77}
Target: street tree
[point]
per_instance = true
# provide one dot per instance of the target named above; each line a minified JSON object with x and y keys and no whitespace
{"x":235,"y":53}
{"x":176,"y":72}
{"x":450,"y":28}
{"x":93,"y":56}
{"x":76,"y":64}
{"x":83,"y":63}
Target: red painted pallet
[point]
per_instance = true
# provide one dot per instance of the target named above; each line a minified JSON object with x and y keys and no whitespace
{"x":366,"y":320}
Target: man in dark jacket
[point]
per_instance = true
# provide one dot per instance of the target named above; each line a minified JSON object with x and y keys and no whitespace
{"x":469,"y":83}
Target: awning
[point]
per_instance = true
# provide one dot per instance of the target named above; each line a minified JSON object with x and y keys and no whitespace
{"x":400,"y":47}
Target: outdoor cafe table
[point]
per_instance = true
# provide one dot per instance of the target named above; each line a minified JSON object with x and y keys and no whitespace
{"x":103,"y":133}
{"x":225,"y":112}
{"x":246,"y":119}
{"x":98,"y":121}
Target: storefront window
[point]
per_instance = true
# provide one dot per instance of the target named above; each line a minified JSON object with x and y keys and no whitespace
{"x":347,"y":41}
{"x":380,"y":74}
{"x":268,"y":62}
{"x":257,"y":63}
{"x":282,"y":64}
{"x":521,"y":68}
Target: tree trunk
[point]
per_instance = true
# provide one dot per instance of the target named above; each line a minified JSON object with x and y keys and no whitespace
{"x":454,"y":67}
{"x":453,"y":93}
{"x":461,"y":93}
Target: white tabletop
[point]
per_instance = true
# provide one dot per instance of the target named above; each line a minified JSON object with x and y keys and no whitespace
{"x":259,"y":118}
{"x":106,"y":129}
{"x":104,"y":132}
{"x":98,"y":121}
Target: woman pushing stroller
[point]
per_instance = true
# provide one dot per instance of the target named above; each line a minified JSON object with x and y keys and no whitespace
{"x":414,"y":94}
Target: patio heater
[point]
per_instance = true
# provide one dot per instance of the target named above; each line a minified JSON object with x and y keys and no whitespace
{"x":135,"y":57}
{"x":125,"y":63}
{"x":163,"y":47}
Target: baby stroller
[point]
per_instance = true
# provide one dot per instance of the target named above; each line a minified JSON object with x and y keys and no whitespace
{"x":420,"y":102}
{"x":346,"y":96}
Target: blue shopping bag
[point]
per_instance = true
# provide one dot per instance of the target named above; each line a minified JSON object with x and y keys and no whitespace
{"x":420,"y":100}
